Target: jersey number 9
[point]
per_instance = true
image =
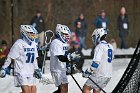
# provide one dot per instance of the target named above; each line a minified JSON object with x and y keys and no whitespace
{"x":109,"y":55}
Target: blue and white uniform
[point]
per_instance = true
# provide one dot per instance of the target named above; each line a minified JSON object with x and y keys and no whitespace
{"x":58,"y":68}
{"x":25,"y":62}
{"x":102,"y":65}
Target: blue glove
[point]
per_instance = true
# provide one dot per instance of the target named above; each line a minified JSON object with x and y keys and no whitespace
{"x":2,"y":72}
{"x":86,"y":74}
{"x":38,"y":73}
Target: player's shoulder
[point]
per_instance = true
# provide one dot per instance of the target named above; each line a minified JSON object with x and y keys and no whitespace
{"x":110,"y":46}
{"x":19,"y":42}
{"x":56,"y":41}
{"x":105,"y":44}
{"x":102,"y":44}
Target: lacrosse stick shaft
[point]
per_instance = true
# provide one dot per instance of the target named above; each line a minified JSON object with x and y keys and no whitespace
{"x":43,"y":66}
{"x":76,"y":83}
{"x":46,"y":45}
{"x":74,"y":78}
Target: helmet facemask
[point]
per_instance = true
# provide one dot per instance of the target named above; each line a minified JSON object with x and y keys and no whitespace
{"x":63,"y":33}
{"x":32,"y":36}
{"x":66,"y":37}
{"x":28,"y":33}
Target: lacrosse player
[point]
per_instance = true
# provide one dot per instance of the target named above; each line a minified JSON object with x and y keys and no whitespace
{"x":100,"y":70}
{"x":59,"y":57}
{"x":24,"y":54}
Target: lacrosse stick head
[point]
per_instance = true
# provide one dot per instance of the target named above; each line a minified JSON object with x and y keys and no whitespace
{"x":48,"y":37}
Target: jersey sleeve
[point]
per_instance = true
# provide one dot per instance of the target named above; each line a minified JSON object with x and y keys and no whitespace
{"x":14,"y":51}
{"x":98,"y":54}
{"x":57,"y":49}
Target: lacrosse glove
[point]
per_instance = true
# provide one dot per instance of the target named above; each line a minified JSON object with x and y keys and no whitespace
{"x":2,"y":72}
{"x":74,"y":57}
{"x":86,"y":73}
{"x":38,"y":73}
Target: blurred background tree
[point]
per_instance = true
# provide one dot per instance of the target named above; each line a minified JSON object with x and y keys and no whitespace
{"x":65,"y":12}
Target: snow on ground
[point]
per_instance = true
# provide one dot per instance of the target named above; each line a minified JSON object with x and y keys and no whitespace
{"x":119,"y":65}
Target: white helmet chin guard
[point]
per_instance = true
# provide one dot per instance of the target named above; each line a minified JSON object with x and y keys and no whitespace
{"x":28,"y":33}
{"x":97,"y":34}
{"x":62,"y":30}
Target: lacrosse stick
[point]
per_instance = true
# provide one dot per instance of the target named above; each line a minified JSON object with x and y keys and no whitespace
{"x":48,"y":35}
{"x":74,"y":78}
{"x":97,"y":85}
{"x":94,"y":83}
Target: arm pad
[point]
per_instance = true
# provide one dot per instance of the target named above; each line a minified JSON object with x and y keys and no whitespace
{"x":94,"y":66}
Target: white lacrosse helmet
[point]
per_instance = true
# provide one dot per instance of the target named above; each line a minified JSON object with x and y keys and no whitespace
{"x":28,"y":33}
{"x":63,"y":32}
{"x":97,"y":34}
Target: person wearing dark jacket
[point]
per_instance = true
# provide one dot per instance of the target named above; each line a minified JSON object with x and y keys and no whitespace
{"x":123,"y":27}
{"x":4,"y":52}
{"x":38,"y":22}
{"x":81,"y":30}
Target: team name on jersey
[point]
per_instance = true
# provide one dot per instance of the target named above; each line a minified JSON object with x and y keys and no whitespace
{"x":29,"y":49}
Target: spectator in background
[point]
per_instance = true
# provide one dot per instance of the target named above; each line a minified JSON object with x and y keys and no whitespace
{"x":81,"y":30}
{"x":123,"y":27}
{"x":73,"y":39}
{"x":75,"y":46}
{"x":77,"y":66}
{"x":101,"y":21}
{"x":4,"y":50}
{"x":39,"y":23}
